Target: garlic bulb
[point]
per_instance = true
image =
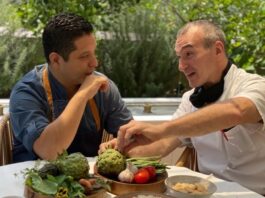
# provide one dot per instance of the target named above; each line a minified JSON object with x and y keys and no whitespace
{"x":127,"y":175}
{"x":131,"y":167}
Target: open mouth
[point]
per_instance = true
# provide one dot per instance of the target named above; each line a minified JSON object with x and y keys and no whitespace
{"x":190,"y":75}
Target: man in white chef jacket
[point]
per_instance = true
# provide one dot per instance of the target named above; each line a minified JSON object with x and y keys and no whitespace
{"x":222,"y":115}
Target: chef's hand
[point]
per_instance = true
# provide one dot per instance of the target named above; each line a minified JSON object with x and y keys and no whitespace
{"x":136,"y":132}
{"x":142,"y":147}
{"x":109,"y":144}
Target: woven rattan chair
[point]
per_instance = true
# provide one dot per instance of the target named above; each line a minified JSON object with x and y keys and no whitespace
{"x":6,"y":140}
{"x":106,"y":137}
{"x":188,"y":159}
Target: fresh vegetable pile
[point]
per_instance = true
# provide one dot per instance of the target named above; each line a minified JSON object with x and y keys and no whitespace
{"x":141,"y":170}
{"x":67,"y":176}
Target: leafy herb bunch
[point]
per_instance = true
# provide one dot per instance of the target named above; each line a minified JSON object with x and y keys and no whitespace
{"x":61,"y":178}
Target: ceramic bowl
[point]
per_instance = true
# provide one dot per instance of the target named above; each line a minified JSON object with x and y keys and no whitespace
{"x":187,"y":179}
{"x":120,"y":188}
{"x":143,"y":194}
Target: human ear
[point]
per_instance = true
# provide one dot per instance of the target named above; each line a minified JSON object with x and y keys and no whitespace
{"x":219,"y":46}
{"x":54,"y":58}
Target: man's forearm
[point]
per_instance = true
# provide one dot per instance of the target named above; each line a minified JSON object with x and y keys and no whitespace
{"x":214,"y":117}
{"x":59,"y":134}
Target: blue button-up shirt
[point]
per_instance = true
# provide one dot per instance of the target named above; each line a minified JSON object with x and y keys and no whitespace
{"x":30,"y":114}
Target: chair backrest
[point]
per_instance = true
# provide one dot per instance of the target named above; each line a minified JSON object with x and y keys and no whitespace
{"x":106,"y":137}
{"x":188,"y":159}
{"x":6,"y":140}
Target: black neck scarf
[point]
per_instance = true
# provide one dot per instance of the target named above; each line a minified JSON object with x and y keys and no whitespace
{"x":202,"y":96}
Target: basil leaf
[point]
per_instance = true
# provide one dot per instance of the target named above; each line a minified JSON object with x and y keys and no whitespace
{"x":45,"y":187}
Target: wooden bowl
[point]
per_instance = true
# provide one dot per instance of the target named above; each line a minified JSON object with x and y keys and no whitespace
{"x":29,"y":193}
{"x":119,"y":188}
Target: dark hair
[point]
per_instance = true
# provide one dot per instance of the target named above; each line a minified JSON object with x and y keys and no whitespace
{"x":61,"y":32}
{"x":212,"y":32}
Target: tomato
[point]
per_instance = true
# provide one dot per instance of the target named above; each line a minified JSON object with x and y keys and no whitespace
{"x":141,"y":176}
{"x":152,"y":171}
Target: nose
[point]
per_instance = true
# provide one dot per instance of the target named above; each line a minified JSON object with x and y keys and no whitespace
{"x":93,"y":62}
{"x":182,"y":65}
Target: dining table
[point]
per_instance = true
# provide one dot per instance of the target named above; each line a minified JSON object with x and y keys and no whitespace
{"x":12,"y":181}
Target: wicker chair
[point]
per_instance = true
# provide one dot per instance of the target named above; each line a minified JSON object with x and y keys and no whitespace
{"x":106,"y":137}
{"x":188,"y":159}
{"x":6,"y":140}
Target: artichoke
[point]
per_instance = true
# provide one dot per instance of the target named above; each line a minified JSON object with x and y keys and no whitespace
{"x":75,"y":165}
{"x":48,"y":169}
{"x":111,"y":162}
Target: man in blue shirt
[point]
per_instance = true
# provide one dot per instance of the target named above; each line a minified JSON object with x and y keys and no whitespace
{"x":65,"y":104}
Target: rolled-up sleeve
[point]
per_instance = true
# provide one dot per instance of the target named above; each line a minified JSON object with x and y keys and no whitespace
{"x":117,"y":114}
{"x":28,"y":114}
{"x":253,"y":89}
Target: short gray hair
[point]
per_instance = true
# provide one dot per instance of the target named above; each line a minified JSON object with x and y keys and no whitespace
{"x":212,"y":32}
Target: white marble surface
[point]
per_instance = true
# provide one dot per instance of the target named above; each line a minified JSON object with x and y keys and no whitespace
{"x":12,"y":181}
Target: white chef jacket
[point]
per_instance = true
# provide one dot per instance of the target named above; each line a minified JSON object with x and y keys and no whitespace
{"x":242,"y":157}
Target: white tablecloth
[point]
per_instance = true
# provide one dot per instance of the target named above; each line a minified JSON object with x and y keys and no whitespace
{"x":11,"y":181}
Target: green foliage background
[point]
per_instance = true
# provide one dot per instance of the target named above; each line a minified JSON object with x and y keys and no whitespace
{"x":139,"y":57}
{"x":243,"y":21}
{"x":16,"y":53}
